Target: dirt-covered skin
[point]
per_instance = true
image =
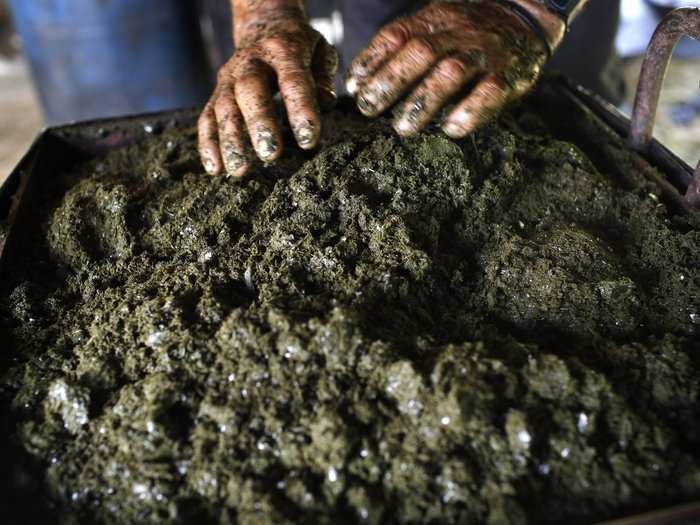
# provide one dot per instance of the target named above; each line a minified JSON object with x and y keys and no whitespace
{"x":386,"y":331}
{"x":447,"y":50}
{"x":276,"y":49}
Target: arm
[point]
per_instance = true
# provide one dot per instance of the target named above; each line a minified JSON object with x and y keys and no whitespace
{"x":481,"y":53}
{"x":553,"y":24}
{"x":276,"y":49}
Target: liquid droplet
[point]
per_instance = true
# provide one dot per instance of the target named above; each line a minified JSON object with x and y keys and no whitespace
{"x":332,"y":475}
{"x":582,"y":423}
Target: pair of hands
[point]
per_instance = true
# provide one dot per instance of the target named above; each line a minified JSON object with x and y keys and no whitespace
{"x":430,"y":60}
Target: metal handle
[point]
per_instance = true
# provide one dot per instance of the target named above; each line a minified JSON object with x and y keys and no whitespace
{"x":678,"y":23}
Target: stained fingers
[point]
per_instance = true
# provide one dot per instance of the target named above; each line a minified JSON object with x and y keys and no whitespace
{"x":482,"y":104}
{"x":254,"y":98}
{"x":233,"y":146}
{"x":277,"y":54}
{"x":208,"y":136}
{"x":324,"y":67}
{"x":388,"y":41}
{"x":441,"y":52}
{"x":449,"y":77}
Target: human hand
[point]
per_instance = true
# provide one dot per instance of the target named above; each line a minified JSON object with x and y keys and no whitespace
{"x":276,"y":49}
{"x":448,"y":49}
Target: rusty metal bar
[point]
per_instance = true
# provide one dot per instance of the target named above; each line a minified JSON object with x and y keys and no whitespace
{"x":677,"y":24}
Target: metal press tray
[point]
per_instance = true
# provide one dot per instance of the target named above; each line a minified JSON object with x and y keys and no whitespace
{"x":595,"y":126}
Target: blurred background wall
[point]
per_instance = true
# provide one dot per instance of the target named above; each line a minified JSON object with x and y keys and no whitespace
{"x":678,"y":121}
{"x":175,"y":47}
{"x":20,"y":115}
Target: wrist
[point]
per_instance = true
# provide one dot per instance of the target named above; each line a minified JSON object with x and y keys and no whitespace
{"x":553,"y":26}
{"x":251,"y":19}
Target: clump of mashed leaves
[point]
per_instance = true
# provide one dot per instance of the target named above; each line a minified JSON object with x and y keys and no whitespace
{"x":384,"y":331}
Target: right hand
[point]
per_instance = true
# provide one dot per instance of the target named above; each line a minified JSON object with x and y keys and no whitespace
{"x":277,"y":51}
{"x":478,"y":56}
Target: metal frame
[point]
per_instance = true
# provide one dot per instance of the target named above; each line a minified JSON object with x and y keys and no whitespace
{"x":677,"y":24}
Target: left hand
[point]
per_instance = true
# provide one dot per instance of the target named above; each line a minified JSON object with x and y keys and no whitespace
{"x":444,"y":51}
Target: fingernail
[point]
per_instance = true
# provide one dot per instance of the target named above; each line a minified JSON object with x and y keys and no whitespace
{"x":403,"y":126}
{"x":266,"y":144}
{"x":209,"y":166}
{"x":365,"y":105}
{"x":233,"y":160}
{"x":351,"y":85}
{"x":452,"y":130}
{"x":305,"y":134}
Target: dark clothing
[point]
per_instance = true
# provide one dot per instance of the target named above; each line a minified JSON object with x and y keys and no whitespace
{"x":363,"y":18}
{"x":587,"y":54}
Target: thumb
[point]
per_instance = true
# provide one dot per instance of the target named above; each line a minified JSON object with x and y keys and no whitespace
{"x":324,"y":67}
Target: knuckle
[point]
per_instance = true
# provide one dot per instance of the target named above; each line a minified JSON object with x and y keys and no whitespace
{"x":229,"y":140}
{"x":294,"y":73}
{"x":223,"y":75}
{"x":422,"y":48}
{"x":223,"y":106}
{"x":283,"y":47}
{"x":395,"y":72}
{"x":246,"y":69}
{"x":494,"y":91}
{"x":395,"y":34}
{"x":205,"y":116}
{"x":452,"y":69}
{"x":242,"y":57}
{"x":205,"y":119}
{"x":304,"y":107}
{"x":275,"y":44}
{"x":229,"y":122}
{"x":227,"y":72}
{"x":296,"y":88}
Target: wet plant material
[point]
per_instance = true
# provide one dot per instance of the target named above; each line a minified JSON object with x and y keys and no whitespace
{"x":386,"y":330}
